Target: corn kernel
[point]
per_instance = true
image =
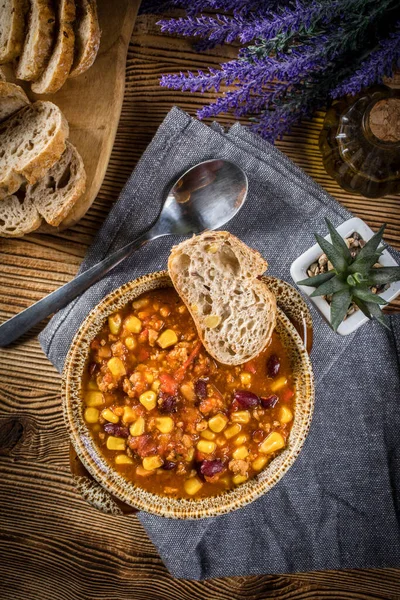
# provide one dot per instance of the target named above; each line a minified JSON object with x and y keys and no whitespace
{"x":164,"y":311}
{"x":149,"y":377}
{"x":187,"y":392}
{"x":190,"y":455}
{"x":167,"y":338}
{"x":155,"y":386}
{"x":259,"y":463}
{"x":137,"y":428}
{"x":118,"y":410}
{"x":208,"y":435}
{"x":94,"y":399}
{"x":240,"y":453}
{"x":285,"y":414}
{"x":241,"y":439}
{"x":245,"y":378}
{"x":165,"y":424}
{"x":148,"y":399}
{"x":218,"y":423}
{"x":278,"y":384}
{"x":225,"y":480}
{"x":130,"y":342}
{"x":232,"y":430}
{"x":241,"y":416}
{"x":141,"y":303}
{"x":192,"y":485}
{"x":115,"y":443}
{"x":116,"y":366}
{"x":156,"y":305}
{"x":92,"y":385}
{"x":129,"y":415}
{"x":108,"y":415}
{"x":272,"y":443}
{"x":91,"y":415}
{"x":142,"y":472}
{"x":181,"y":310}
{"x":133,"y":324}
{"x":123,"y":459}
{"x":114,"y":323}
{"x":206,"y":447}
{"x":152,"y":462}
{"x":238,"y":479}
{"x":212,"y":321}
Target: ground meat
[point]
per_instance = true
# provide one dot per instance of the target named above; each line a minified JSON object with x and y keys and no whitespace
{"x":135,"y":385}
{"x":239,"y":466}
{"x":106,"y":382}
{"x":211,"y":405}
{"x":153,"y":336}
{"x":143,"y":445}
{"x":178,"y":355}
{"x":119,"y":349}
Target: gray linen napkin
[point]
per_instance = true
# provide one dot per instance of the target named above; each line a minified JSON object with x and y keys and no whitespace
{"x":338,"y":506}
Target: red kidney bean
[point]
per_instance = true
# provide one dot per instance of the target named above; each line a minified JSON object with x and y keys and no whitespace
{"x":209,"y":468}
{"x":258,"y":435}
{"x":269,"y":402}
{"x":246,"y":399}
{"x":200,"y":389}
{"x":168,"y":404}
{"x":117,"y":430}
{"x":273,"y":365}
{"x":169,"y":465}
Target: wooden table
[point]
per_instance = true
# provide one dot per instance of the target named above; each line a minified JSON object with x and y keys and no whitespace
{"x":53,"y":545}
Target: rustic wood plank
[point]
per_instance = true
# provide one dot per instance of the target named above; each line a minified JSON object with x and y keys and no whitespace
{"x":52,"y":544}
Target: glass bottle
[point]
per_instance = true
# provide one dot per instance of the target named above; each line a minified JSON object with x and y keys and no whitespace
{"x":360,"y":142}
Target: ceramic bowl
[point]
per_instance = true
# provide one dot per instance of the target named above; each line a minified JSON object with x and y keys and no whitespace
{"x":112,"y":482}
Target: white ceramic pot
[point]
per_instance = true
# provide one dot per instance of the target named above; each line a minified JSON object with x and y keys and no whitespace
{"x":299,"y":267}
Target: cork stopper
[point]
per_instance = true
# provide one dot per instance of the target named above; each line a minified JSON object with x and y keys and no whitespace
{"x":384,"y":120}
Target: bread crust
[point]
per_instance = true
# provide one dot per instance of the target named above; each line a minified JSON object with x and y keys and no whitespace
{"x":38,"y":42}
{"x":229,"y":342}
{"x":14,"y":45}
{"x":12,"y":99}
{"x":86,"y":49}
{"x":59,"y":66}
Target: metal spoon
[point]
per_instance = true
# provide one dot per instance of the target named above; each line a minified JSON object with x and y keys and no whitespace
{"x":205,"y":197}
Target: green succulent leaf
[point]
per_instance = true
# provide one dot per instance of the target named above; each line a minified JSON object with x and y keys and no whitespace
{"x":334,"y":255}
{"x":330,"y":287}
{"x":363,"y":307}
{"x":340,"y":303}
{"x":317,"y":279}
{"x":372,"y":245}
{"x":366,"y":295}
{"x":364,"y":265}
{"x":338,"y":242}
{"x":377,"y":313}
{"x":382,"y":275}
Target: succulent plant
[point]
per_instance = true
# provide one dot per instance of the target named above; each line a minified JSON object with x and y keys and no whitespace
{"x":352,"y":277}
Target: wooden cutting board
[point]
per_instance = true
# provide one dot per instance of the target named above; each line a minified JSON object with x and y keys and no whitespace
{"x":92,"y":102}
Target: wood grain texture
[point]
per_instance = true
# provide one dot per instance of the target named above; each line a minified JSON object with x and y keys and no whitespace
{"x":53,"y":546}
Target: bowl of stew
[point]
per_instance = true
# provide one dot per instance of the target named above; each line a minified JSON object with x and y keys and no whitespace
{"x":165,"y":428}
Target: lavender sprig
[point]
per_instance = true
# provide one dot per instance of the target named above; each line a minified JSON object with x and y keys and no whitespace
{"x":379,"y":63}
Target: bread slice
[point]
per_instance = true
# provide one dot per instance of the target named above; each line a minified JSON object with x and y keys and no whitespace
{"x":2,"y":75}
{"x":38,"y":42}
{"x":57,"y":192}
{"x":87,"y":36}
{"x":12,"y":99}
{"x":215,"y":274}
{"x":18,"y":215}
{"x":50,"y":198}
{"x":59,"y":66}
{"x":31,"y":141}
{"x":12,"y":29}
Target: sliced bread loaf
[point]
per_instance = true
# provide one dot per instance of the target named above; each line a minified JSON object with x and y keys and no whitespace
{"x":31,"y":141}
{"x":87,"y":36}
{"x":12,"y":99}
{"x":216,"y":276}
{"x":12,"y":29}
{"x":50,"y":198}
{"x":59,"y":66}
{"x":38,"y":42}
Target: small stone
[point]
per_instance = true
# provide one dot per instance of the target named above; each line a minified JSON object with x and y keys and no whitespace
{"x":356,"y":236}
{"x":349,"y":241}
{"x":323,"y":260}
{"x":314,"y":268}
{"x":310,"y":273}
{"x":362,"y":243}
{"x":330,"y":265}
{"x":374,"y":290}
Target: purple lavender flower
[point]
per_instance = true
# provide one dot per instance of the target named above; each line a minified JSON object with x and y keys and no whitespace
{"x":378,"y":64}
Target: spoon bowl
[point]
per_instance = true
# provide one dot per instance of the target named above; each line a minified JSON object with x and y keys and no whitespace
{"x":205,"y":197}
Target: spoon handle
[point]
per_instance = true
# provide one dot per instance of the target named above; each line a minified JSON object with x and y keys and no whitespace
{"x":12,"y":329}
